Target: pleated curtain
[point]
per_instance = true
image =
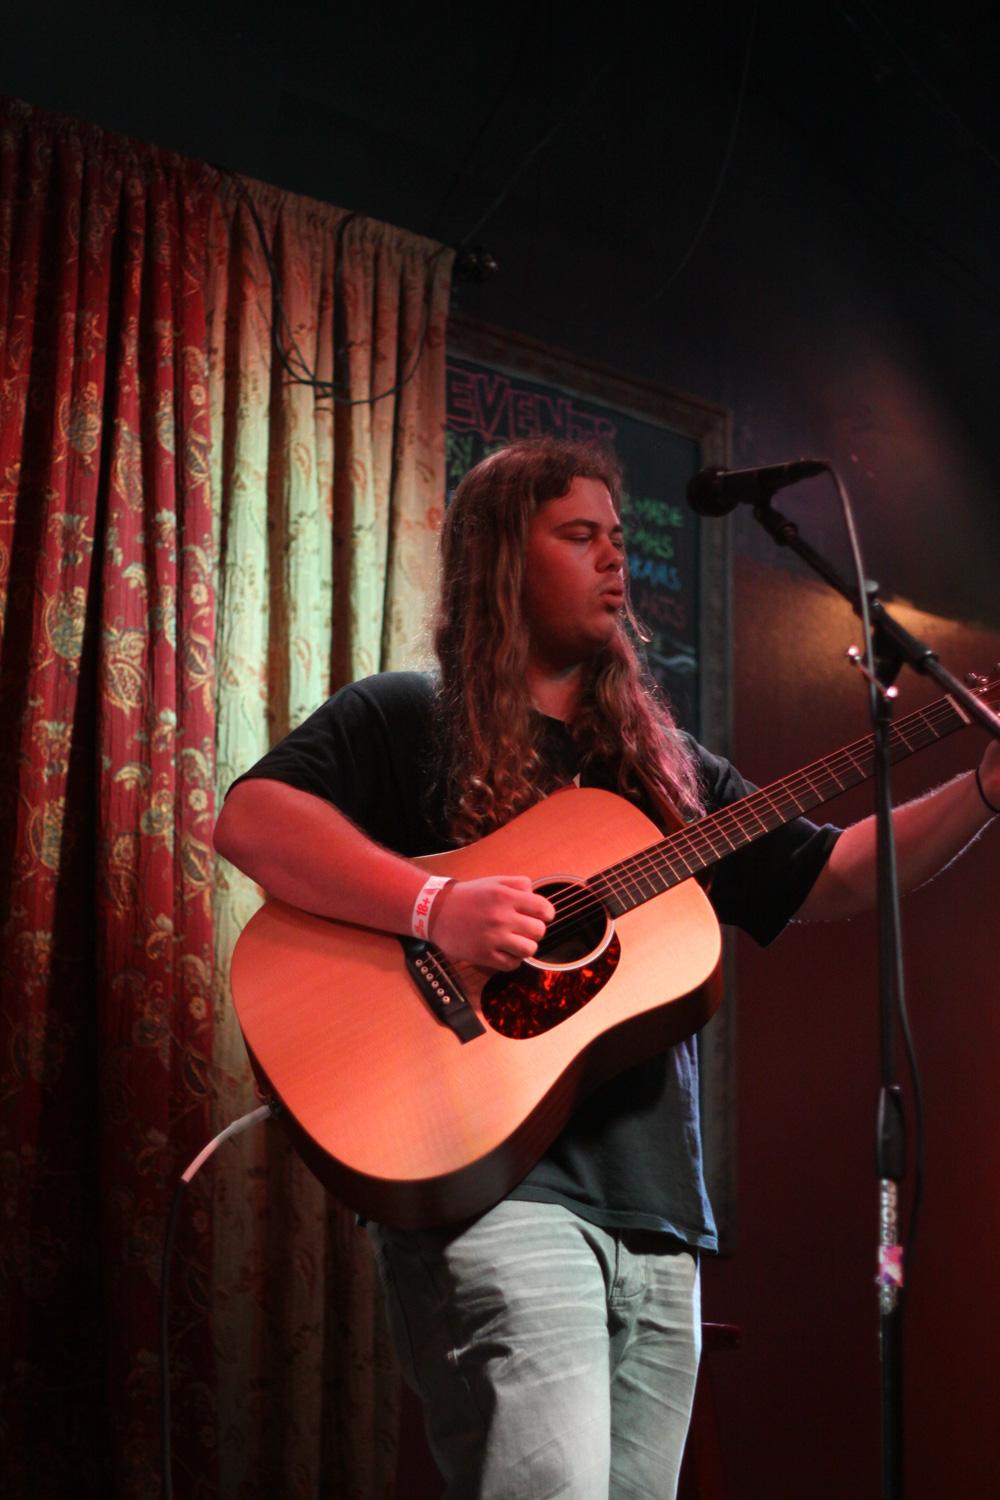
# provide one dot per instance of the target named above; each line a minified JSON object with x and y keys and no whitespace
{"x":196,"y":547}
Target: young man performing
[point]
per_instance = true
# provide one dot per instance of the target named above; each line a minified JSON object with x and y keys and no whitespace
{"x":554,"y":1340}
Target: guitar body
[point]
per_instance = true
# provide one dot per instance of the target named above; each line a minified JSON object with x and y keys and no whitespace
{"x":398,"y":1116}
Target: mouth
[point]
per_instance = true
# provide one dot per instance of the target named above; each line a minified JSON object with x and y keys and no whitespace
{"x":613,"y":598}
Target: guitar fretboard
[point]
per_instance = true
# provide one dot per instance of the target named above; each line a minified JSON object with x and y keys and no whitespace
{"x":693,"y":848}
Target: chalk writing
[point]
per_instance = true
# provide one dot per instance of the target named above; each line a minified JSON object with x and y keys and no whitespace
{"x":652,"y":512}
{"x":654,"y":543}
{"x":489,"y":404}
{"x":654,"y":570}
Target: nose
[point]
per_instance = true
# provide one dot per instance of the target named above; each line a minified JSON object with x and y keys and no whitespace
{"x":611,"y":556}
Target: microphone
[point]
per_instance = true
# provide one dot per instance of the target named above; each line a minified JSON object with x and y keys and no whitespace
{"x":715,"y":492}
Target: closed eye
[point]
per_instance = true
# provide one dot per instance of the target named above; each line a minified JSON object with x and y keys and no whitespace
{"x":616,"y":538}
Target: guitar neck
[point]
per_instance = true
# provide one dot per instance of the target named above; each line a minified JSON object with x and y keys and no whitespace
{"x":693,"y":848}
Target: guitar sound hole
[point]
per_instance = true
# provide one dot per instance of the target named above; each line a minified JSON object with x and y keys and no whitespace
{"x":583,"y":950}
{"x":580,"y":926}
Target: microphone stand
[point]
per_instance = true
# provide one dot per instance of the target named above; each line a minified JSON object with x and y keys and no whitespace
{"x":892,"y":646}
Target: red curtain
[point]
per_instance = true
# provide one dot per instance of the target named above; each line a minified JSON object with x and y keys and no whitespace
{"x":106,"y":705}
{"x":156,"y":466}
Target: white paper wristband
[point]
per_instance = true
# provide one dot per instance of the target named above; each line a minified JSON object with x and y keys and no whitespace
{"x":426,"y":897}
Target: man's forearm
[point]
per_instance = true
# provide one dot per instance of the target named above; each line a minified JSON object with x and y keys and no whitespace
{"x":303,"y":850}
{"x":930,"y":831}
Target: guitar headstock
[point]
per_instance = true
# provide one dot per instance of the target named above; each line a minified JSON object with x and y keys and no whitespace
{"x":985,"y":687}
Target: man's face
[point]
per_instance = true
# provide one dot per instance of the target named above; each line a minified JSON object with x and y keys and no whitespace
{"x":574,"y":584}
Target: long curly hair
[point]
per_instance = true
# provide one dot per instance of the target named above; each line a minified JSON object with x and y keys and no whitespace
{"x":491,"y":737}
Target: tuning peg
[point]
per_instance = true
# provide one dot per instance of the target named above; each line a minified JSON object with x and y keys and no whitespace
{"x":975,"y":679}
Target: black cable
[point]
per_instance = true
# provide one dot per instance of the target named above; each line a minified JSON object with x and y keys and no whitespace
{"x":498,"y":103}
{"x":877,"y":203}
{"x":929,"y":88}
{"x":544,"y":140}
{"x":723,"y":172}
{"x":168,"y":1251}
{"x":909,"y":1238}
{"x":301,"y":373}
{"x":236,"y":1127}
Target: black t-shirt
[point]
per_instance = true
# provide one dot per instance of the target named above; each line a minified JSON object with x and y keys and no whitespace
{"x":630,"y":1156}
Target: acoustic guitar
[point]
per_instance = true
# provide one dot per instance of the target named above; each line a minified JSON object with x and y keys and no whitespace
{"x":421,"y":1091}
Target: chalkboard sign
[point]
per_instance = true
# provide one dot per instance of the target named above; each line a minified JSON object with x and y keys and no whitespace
{"x":661,"y":439}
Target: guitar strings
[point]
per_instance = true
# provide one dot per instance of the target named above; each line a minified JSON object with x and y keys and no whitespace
{"x":779,"y":797}
{"x":579,"y":906}
{"x":692,"y":848}
{"x":745,"y":817}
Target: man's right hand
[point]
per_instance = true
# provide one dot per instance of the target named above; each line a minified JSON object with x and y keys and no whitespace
{"x":306,"y":852}
{"x":494,"y":922}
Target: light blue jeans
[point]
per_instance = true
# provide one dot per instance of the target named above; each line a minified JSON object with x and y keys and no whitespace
{"x":552,"y":1357}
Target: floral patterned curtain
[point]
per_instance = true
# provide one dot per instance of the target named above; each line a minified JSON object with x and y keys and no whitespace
{"x":193,"y":551}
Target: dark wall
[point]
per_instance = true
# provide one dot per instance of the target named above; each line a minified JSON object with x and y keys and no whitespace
{"x":799,"y":1400}
{"x":840,"y":298}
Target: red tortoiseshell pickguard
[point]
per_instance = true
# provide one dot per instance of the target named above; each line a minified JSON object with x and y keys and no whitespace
{"x":529,"y":1001}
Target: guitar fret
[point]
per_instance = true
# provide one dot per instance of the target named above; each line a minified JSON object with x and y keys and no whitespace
{"x":686,"y":869}
{"x":750,"y":810}
{"x":717,"y":829}
{"x":607,"y":884}
{"x":923,"y":733}
{"x":613,"y":889}
{"x":694,"y":858}
{"x":646,"y":882}
{"x":958,"y":709}
{"x":682,"y":854}
{"x":765,"y":796}
{"x":709,"y":830}
{"x":683,"y":848}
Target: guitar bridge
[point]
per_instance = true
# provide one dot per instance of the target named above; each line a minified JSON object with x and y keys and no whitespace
{"x":439,"y":987}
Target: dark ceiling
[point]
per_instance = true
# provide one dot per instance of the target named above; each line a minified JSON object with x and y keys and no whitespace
{"x":447,"y":117}
{"x":790,"y":209}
